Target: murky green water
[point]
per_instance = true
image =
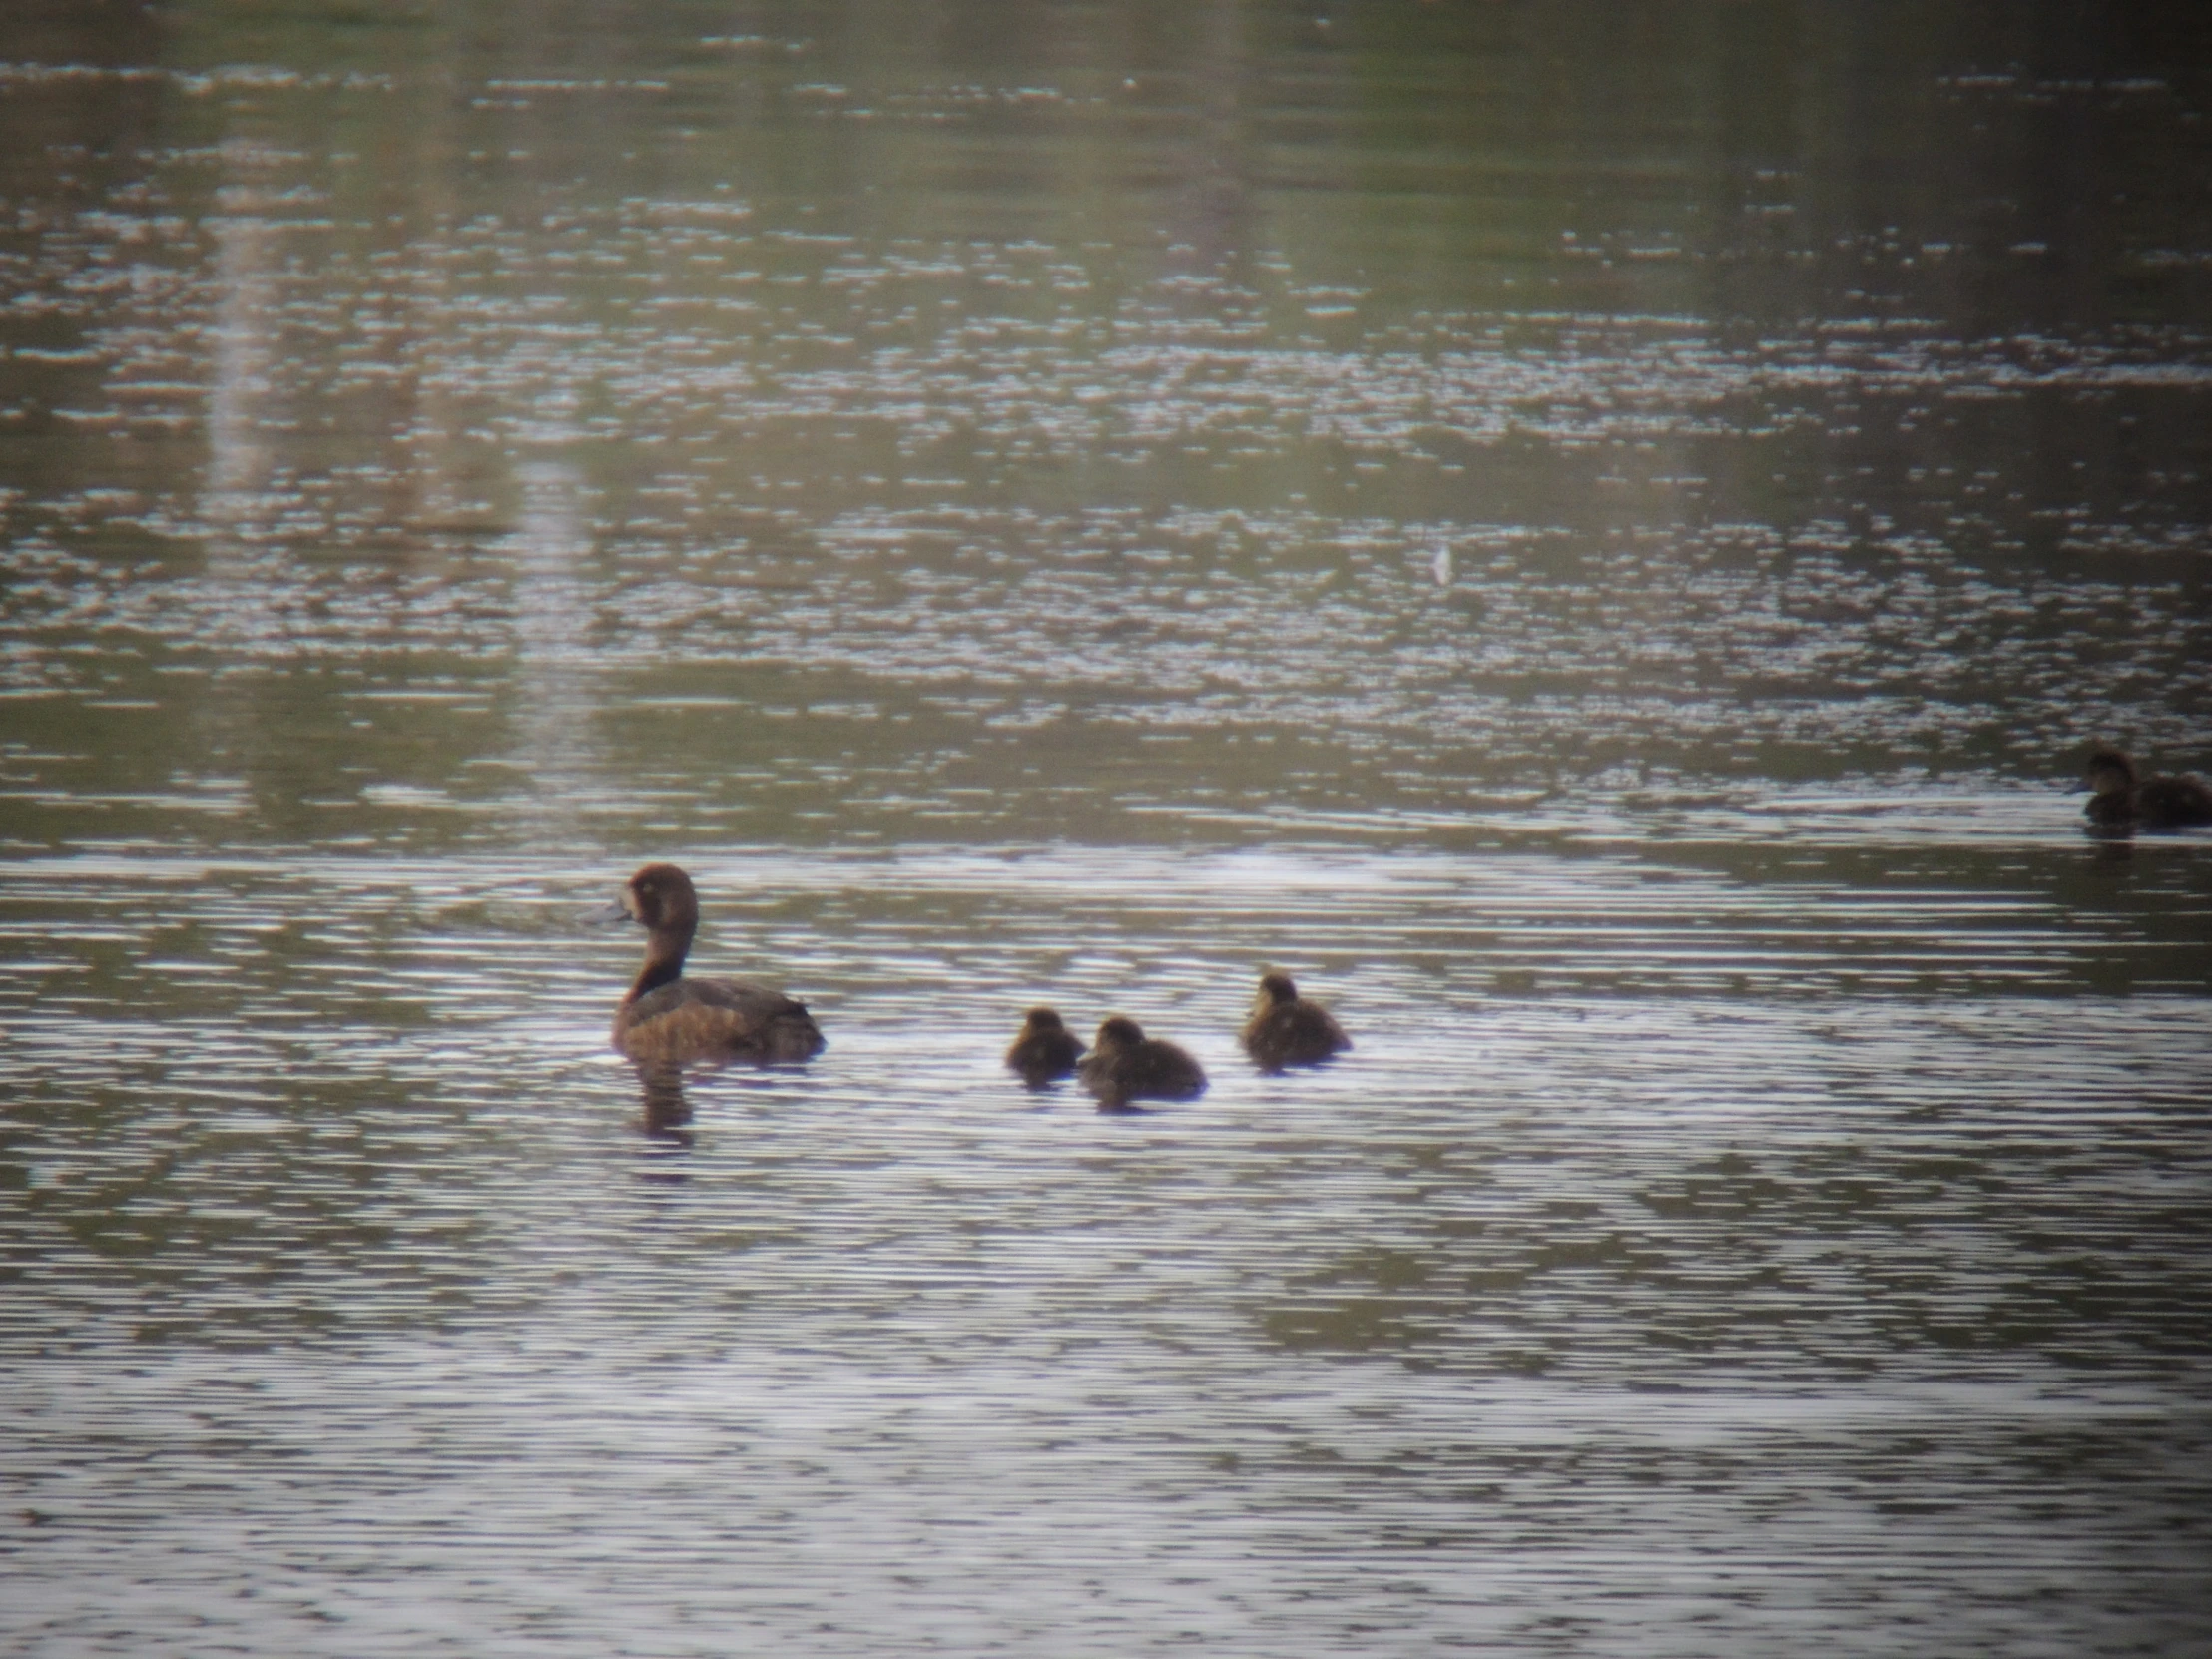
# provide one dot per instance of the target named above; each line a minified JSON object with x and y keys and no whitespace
{"x":1596,"y":536}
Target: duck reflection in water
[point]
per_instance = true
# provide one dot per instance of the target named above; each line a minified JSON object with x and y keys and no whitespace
{"x":665,"y":1115}
{"x":668,"y":1020}
{"x":1046,"y":1050}
{"x":2121,"y":800}
{"x":1285,"y":1029}
{"x":1125,"y":1066}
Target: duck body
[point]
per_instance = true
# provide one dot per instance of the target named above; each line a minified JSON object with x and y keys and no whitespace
{"x":2174,"y":803}
{"x":1125,"y":1066}
{"x":667,"y":1019}
{"x":2123,"y":799}
{"x":716,"y":1019}
{"x":1288,"y":1031}
{"x":1046,"y":1050}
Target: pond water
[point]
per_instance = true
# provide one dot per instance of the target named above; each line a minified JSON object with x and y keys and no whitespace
{"x":1599,"y":538}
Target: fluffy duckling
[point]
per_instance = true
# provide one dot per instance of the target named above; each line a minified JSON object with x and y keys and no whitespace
{"x":2123,"y":799}
{"x":1046,"y":1050}
{"x":669,"y":1021}
{"x":1287,"y":1030}
{"x":1124,"y":1065}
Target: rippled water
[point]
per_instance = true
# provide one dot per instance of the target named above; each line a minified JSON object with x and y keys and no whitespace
{"x":1686,"y":1255}
{"x":1599,"y":546}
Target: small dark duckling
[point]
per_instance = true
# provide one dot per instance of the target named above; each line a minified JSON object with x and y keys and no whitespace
{"x":1046,"y":1050}
{"x":1287,"y":1030}
{"x":2123,"y":799}
{"x":669,"y":1021}
{"x":1124,"y":1065}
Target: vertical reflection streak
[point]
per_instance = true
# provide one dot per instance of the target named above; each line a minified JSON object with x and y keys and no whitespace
{"x":555,"y":690}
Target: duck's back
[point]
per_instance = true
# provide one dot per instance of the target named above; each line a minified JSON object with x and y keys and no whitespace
{"x":716,"y":1019}
{"x":2171,"y":802}
{"x":1147,"y":1070}
{"x":1162,"y":1069}
{"x":1293,"y":1034}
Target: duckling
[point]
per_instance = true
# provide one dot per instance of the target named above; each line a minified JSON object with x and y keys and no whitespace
{"x":1124,"y":1065}
{"x":1046,"y":1050}
{"x":2121,"y":800}
{"x":669,"y":1021}
{"x":1287,"y":1030}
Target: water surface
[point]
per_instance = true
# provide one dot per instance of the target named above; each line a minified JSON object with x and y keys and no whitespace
{"x":1595,"y":537}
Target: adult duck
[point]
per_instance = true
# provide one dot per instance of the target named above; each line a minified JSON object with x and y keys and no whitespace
{"x":667,"y":1019}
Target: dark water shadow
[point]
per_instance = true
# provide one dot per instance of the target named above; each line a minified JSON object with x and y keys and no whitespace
{"x":665,"y":1114}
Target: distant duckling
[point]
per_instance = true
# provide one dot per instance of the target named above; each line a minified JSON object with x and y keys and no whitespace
{"x":1288,"y":1031}
{"x":1046,"y":1050}
{"x":1124,"y":1065}
{"x":2123,"y":799}
{"x":669,"y":1021}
